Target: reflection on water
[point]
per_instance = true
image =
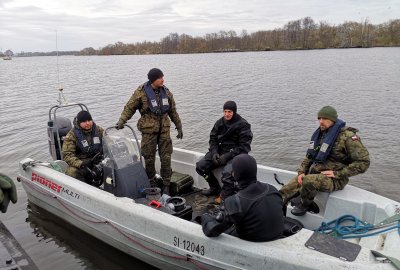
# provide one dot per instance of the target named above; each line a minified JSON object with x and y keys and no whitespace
{"x":91,"y":252}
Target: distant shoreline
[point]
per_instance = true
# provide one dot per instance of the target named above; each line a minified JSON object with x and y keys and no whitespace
{"x":77,"y":53}
{"x":301,"y":34}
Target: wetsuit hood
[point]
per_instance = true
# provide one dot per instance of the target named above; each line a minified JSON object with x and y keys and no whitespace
{"x":244,"y":169}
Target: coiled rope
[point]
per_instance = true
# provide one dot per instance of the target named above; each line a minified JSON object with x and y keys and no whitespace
{"x":356,"y":228}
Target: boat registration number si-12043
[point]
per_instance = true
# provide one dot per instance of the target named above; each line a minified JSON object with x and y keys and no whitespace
{"x":189,"y":245}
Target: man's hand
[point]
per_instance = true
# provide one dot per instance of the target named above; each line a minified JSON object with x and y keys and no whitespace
{"x":215,"y":159}
{"x":8,"y":192}
{"x":180,"y":133}
{"x":223,"y":159}
{"x":329,"y":174}
{"x":300,"y":178}
{"x":120,"y":124}
{"x":87,"y":163}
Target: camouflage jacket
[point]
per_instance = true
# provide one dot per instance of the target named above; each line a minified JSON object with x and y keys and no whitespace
{"x":348,"y":157}
{"x":70,"y":145}
{"x":149,"y":122}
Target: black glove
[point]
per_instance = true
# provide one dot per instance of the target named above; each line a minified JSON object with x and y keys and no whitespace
{"x":120,"y":124}
{"x":87,"y":163}
{"x":180,"y":133}
{"x":223,"y":159}
{"x":211,"y":227}
{"x":8,"y":192}
{"x":215,"y":159}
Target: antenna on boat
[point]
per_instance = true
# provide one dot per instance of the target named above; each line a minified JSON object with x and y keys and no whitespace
{"x":62,"y":100}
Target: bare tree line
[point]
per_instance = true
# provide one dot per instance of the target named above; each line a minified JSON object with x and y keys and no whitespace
{"x":299,"y":34}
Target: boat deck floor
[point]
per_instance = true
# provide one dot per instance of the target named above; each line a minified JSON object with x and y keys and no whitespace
{"x":200,"y":204}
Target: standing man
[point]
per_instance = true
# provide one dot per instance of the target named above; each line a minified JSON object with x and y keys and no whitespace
{"x":82,"y":145}
{"x":334,"y":154}
{"x":156,"y":105}
{"x":255,"y":210}
{"x":230,"y":136}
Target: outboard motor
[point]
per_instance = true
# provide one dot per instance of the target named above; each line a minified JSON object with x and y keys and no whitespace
{"x":123,"y":171}
{"x":57,"y":129}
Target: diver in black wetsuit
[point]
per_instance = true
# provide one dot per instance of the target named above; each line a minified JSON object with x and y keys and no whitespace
{"x":255,"y":210}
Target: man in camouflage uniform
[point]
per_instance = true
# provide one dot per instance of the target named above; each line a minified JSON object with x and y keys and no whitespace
{"x":335,"y":153}
{"x":81,"y":145}
{"x":156,"y":105}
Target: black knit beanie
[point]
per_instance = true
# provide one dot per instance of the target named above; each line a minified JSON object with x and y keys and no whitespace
{"x":230,"y":105}
{"x":154,"y":74}
{"x":83,"y":116}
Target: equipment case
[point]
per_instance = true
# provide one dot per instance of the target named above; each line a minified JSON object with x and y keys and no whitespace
{"x":180,"y":183}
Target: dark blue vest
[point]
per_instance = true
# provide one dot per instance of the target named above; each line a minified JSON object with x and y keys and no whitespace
{"x":84,"y":146}
{"x":319,"y":152}
{"x":154,"y":106}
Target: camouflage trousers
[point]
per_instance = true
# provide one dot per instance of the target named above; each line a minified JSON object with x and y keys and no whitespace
{"x":149,"y":144}
{"x":312,"y":183}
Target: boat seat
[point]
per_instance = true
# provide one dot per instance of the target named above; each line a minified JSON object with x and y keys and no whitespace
{"x":63,"y":125}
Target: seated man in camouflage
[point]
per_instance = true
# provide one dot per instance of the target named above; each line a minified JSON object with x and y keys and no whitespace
{"x":82,"y":145}
{"x":335,"y":153}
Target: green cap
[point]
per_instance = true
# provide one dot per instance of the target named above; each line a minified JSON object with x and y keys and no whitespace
{"x":328,"y":112}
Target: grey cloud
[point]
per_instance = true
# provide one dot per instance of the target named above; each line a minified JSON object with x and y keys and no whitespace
{"x":33,"y":29}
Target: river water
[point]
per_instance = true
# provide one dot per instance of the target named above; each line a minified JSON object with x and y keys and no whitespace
{"x":279,"y":93}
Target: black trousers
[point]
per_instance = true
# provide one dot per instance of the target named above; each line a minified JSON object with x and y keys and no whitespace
{"x":205,"y":166}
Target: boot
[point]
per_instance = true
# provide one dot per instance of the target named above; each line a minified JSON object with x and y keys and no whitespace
{"x":166,"y":190}
{"x":300,"y":209}
{"x":214,"y":189}
{"x":153,"y":182}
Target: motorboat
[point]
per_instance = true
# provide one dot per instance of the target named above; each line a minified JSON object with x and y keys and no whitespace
{"x":124,"y":212}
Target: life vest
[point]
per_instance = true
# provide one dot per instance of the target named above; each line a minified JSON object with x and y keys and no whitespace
{"x":90,"y":149}
{"x":154,"y":106}
{"x":319,"y":151}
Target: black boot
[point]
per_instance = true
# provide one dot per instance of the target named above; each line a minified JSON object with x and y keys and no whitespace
{"x":214,"y":189}
{"x":300,"y":209}
{"x":166,"y":190}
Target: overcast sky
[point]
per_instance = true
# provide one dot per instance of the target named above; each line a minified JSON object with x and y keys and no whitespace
{"x":31,"y":25}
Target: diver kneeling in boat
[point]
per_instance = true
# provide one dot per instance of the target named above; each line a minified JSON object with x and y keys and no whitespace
{"x":255,"y":210}
{"x":334,"y":154}
{"x":82,"y":148}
